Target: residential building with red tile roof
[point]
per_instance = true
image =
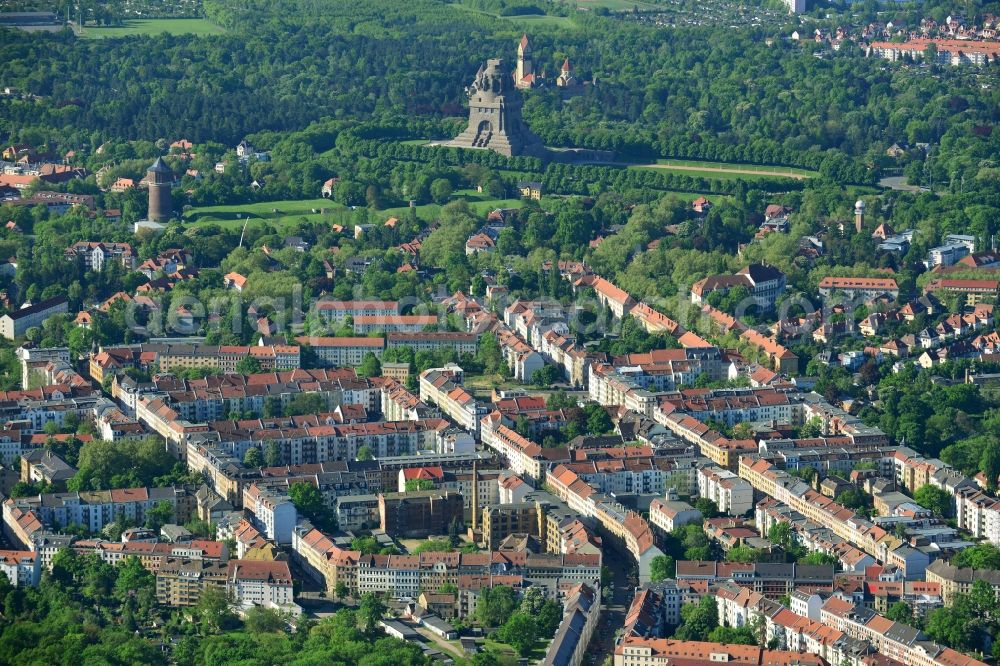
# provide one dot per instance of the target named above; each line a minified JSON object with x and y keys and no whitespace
{"x":92,"y":509}
{"x":170,"y":357}
{"x":331,"y":310}
{"x":947,"y":51}
{"x":844,"y":523}
{"x":701,"y":205}
{"x":780,"y":357}
{"x":893,"y":639}
{"x":620,"y":528}
{"x":95,"y":256}
{"x":260,"y":583}
{"x":433,"y":475}
{"x":634,"y":651}
{"x":975,"y":291}
{"x":442,"y":387}
{"x":22,"y":567}
{"x":366,"y":324}
{"x":234,"y":281}
{"x":343,"y":352}
{"x":615,"y":299}
{"x":859,"y":287}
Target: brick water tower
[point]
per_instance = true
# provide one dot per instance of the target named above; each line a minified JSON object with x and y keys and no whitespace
{"x":160,"y":179}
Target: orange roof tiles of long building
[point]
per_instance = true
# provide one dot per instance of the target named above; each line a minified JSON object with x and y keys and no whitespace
{"x":692,"y":652}
{"x":950,"y":45}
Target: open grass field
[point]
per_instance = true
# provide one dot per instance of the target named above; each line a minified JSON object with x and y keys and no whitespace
{"x":284,"y":214}
{"x":288,"y":213}
{"x":532,"y":20}
{"x":689,"y":196}
{"x":293,"y":212}
{"x":526,"y":21}
{"x":726,"y":170}
{"x":479,"y":203}
{"x":483,"y":385}
{"x":615,"y":5}
{"x":197,"y":27}
{"x":506,"y":652}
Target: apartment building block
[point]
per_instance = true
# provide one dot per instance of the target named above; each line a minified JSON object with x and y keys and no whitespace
{"x":338,"y":311}
{"x":668,"y":515}
{"x":22,"y":567}
{"x":14,"y":323}
{"x":634,"y":651}
{"x":95,"y":256}
{"x":442,"y":387}
{"x":461,"y":343}
{"x":733,"y":495}
{"x":272,"y":513}
{"x":421,"y":513}
{"x":343,"y":352}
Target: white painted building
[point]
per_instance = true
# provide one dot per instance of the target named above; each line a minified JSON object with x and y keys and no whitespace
{"x":22,"y":567}
{"x":669,"y":515}
{"x":272,"y":514}
{"x":260,"y":583}
{"x":732,"y":494}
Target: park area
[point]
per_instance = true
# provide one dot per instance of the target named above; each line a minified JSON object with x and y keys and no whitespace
{"x":187,"y":26}
{"x":278,"y":213}
{"x":285,"y":214}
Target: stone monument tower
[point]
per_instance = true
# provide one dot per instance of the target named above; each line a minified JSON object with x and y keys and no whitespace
{"x":160,"y":178}
{"x":524,"y":73}
{"x":495,"y":121}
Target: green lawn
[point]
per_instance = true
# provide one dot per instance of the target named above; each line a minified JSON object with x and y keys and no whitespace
{"x":715,"y":175}
{"x":525,"y":21}
{"x":293,"y":212}
{"x":735,"y":165}
{"x":476,"y":203}
{"x":690,"y":196}
{"x":616,"y":5}
{"x":725,"y":170}
{"x":507,"y":654}
{"x":289,"y":213}
{"x":484,"y":384}
{"x":532,"y":20}
{"x":198,"y":27}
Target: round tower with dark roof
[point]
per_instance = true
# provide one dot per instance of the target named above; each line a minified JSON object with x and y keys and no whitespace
{"x":160,"y":179}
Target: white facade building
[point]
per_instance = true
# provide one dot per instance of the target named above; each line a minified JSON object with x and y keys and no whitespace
{"x":732,"y":494}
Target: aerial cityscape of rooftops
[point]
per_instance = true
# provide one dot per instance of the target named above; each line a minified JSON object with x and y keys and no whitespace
{"x":500,"y":332}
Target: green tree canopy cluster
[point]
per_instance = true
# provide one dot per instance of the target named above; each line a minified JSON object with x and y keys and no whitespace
{"x":103,"y":465}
